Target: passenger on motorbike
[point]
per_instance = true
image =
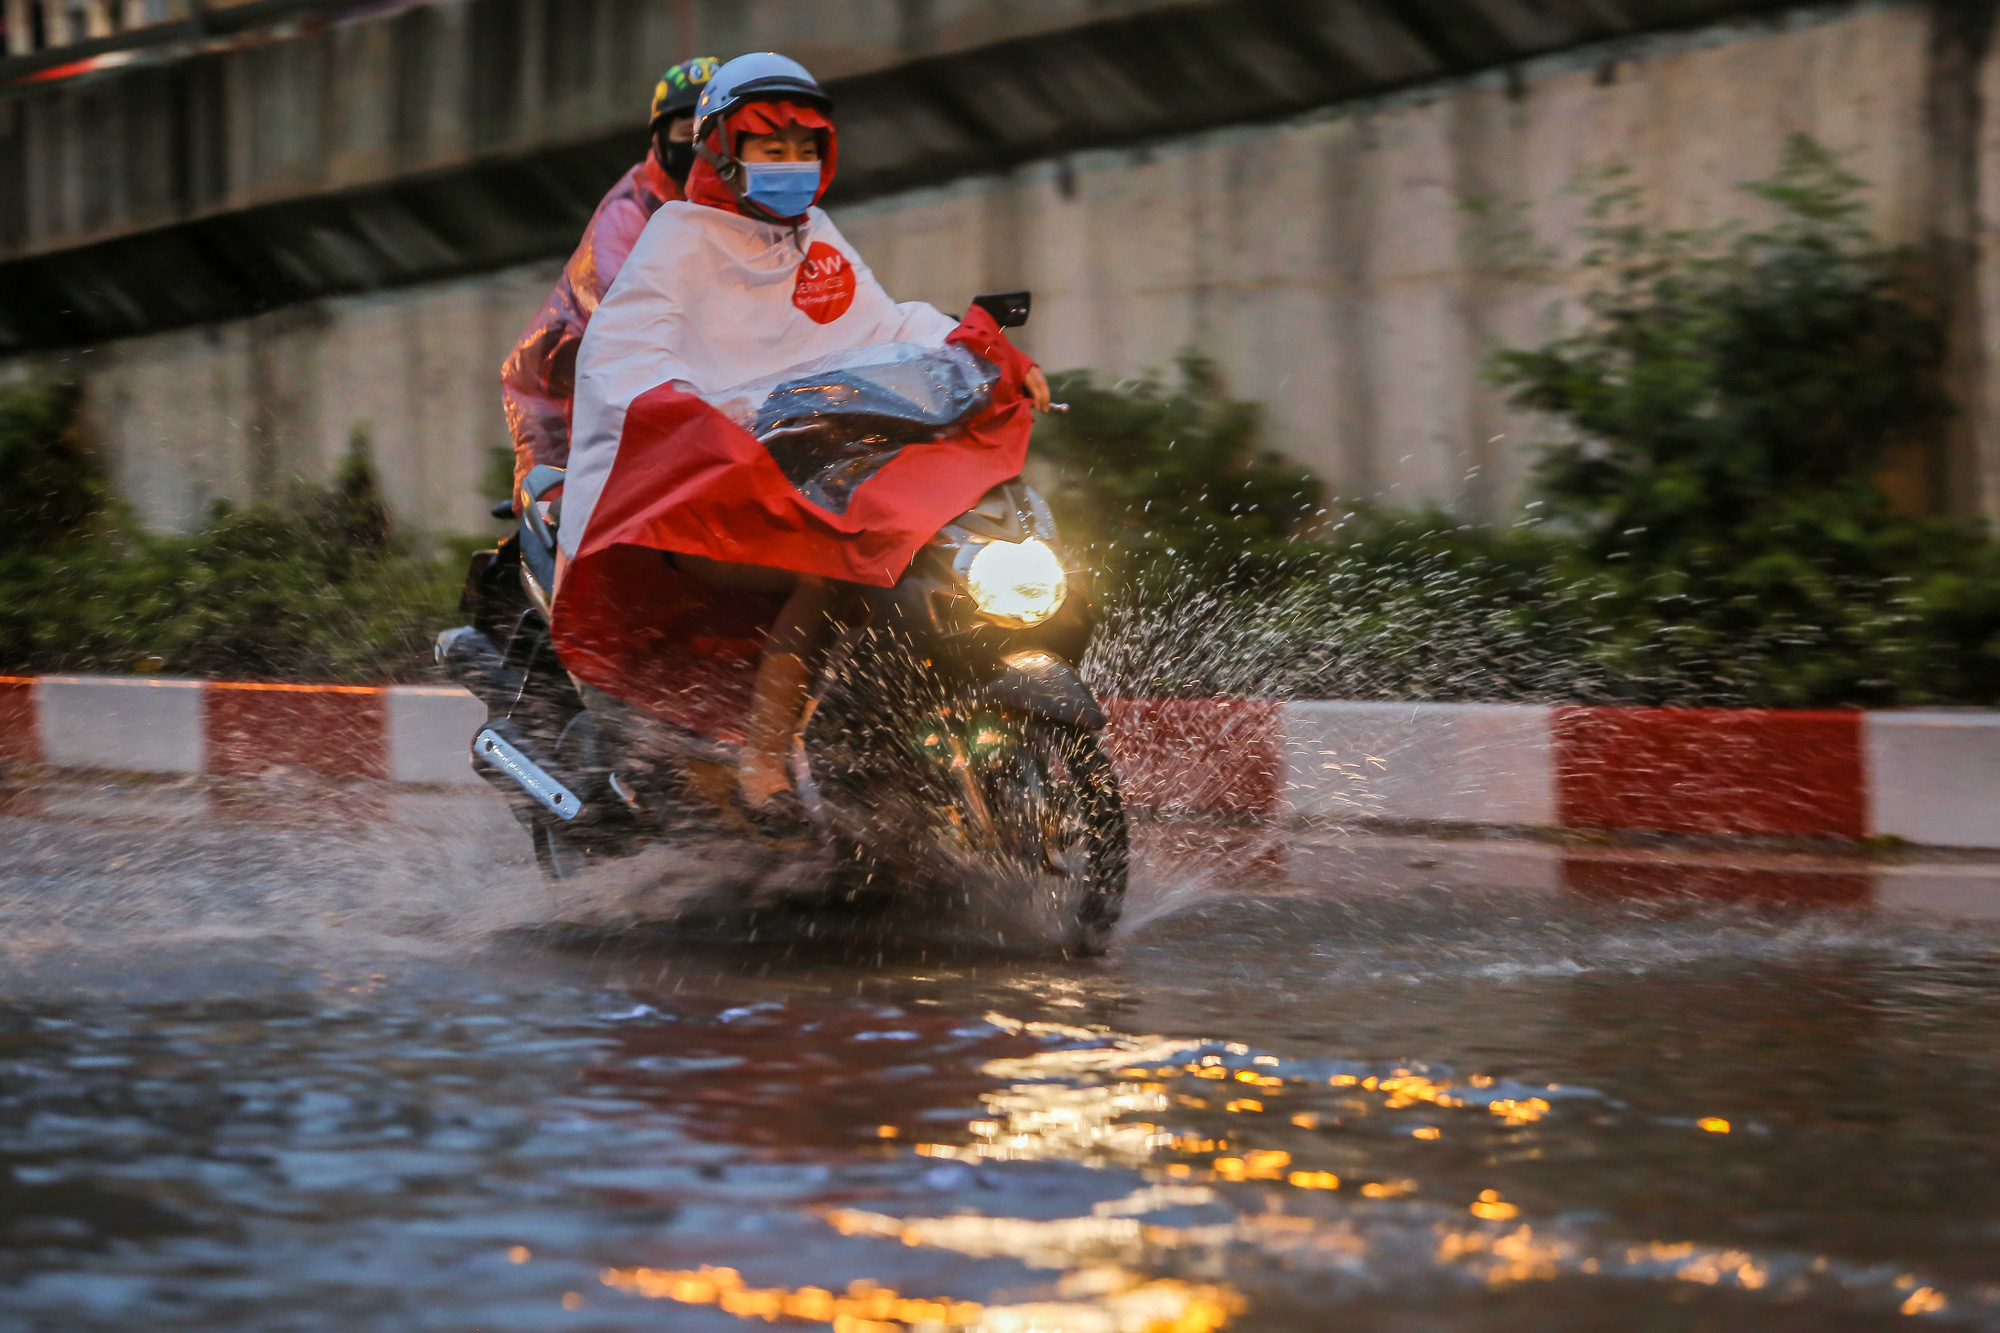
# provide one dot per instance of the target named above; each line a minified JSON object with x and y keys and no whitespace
{"x":746,"y":279}
{"x":538,"y":378}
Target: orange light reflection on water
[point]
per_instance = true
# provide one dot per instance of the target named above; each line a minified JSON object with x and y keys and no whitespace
{"x":1097,"y":1299}
{"x":1101,"y":1103}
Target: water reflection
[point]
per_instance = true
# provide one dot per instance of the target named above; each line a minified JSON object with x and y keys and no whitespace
{"x":1094,"y":1300}
{"x":229,"y":1098}
{"x":1215,"y":1197}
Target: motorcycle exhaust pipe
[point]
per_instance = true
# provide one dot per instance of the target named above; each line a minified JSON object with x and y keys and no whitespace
{"x":472,"y":660}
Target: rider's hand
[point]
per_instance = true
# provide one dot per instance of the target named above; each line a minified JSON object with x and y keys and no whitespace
{"x":1037,"y":386}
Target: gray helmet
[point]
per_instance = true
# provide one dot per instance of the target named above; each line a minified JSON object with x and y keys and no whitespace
{"x":764,"y":76}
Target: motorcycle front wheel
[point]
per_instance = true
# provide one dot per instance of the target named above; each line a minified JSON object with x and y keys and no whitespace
{"x":1058,"y":807}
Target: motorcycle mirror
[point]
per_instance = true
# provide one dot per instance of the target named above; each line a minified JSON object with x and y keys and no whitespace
{"x":1009,"y":309}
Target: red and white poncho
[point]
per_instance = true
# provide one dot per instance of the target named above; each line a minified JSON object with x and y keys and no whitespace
{"x":709,"y":300}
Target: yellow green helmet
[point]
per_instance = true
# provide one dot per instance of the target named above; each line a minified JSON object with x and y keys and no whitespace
{"x":680,"y":87}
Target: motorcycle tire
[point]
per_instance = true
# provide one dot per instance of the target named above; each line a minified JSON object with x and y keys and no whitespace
{"x":560,"y":856}
{"x":566,"y":850}
{"x":1074,"y":759}
{"x":859,"y":883}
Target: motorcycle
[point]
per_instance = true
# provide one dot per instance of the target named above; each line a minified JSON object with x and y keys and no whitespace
{"x":947,"y":733}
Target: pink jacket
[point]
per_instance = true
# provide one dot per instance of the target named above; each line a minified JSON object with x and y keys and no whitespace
{"x":539,"y":375}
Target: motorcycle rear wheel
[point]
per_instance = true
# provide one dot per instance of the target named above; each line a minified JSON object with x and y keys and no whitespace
{"x":560,"y":856}
{"x":565,"y":850}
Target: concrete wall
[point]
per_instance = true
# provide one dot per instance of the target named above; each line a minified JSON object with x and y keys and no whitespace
{"x":237,"y":410}
{"x":372,"y":92}
{"x":1350,"y":271}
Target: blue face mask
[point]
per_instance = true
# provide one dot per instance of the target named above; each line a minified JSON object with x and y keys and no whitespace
{"x":782,"y":189}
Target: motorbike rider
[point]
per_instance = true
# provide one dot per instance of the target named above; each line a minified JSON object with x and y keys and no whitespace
{"x":538,"y":377}
{"x":747,"y":278}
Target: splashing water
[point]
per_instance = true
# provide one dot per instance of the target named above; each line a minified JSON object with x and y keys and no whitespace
{"x":285,"y":1075}
{"x":1350,"y":630}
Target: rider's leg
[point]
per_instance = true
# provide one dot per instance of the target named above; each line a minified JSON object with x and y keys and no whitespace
{"x":784,"y":675}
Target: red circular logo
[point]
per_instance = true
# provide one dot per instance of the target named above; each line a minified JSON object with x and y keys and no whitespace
{"x":825,"y":286}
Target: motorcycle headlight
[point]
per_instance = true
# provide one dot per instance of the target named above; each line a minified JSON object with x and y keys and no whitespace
{"x":1017,"y":584}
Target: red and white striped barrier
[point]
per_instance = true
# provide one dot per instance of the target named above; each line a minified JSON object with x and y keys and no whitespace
{"x":1924,"y":777}
{"x":143,"y":724}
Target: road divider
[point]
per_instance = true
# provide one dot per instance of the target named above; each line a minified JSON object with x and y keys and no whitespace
{"x":1419,"y":763}
{"x":145,"y":724}
{"x":1928,"y":777}
{"x":1746,"y":772}
{"x":337,"y":731}
{"x":137,"y":724}
{"x":1196,"y":756}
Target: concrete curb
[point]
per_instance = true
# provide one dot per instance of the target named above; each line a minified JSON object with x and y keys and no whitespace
{"x":430,"y":731}
{"x":402,"y":733}
{"x":139,"y":725}
{"x":1934,"y":777}
{"x":1417,"y":762}
{"x":1924,"y":777}
{"x":1931,"y":778}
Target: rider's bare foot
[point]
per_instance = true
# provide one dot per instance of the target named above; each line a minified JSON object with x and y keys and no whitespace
{"x":776,"y":814}
{"x":760,"y":780}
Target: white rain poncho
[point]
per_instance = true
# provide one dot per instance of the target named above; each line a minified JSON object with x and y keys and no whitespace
{"x":710,"y":300}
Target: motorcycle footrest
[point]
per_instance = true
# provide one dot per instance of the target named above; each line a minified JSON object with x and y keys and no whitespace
{"x":498,"y":753}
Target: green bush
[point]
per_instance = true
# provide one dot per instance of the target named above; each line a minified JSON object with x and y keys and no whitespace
{"x":1151,"y":477}
{"x":53,"y":488}
{"x":315,"y":589}
{"x":1726,"y":413}
{"x":1223,"y":574}
{"x":1708,"y":528}
{"x":1387,"y":605}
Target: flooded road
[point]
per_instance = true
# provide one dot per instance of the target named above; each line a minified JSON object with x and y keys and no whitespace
{"x":316,"y":1077}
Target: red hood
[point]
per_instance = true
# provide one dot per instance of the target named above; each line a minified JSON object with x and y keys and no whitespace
{"x":705,"y":187}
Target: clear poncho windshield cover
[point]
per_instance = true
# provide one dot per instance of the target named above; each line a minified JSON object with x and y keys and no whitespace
{"x":832,"y":423}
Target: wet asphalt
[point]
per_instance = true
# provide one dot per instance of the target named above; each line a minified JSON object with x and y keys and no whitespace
{"x":274,"y":1058}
